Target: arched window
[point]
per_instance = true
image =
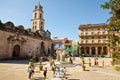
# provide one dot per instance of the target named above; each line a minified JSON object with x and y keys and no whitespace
{"x":40,"y":15}
{"x":92,"y":33}
{"x":40,"y":27}
{"x":99,"y":41}
{"x":92,"y":41}
{"x":35,"y":27}
{"x":41,"y":23}
{"x":35,"y":15}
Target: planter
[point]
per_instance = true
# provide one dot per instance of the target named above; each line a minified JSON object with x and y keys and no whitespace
{"x":89,"y":64}
{"x":41,"y":67}
{"x":83,"y":67}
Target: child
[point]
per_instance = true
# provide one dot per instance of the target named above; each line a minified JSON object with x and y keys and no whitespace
{"x":64,"y":71}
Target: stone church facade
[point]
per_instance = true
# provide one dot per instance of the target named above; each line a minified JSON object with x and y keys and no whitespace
{"x":18,"y":42}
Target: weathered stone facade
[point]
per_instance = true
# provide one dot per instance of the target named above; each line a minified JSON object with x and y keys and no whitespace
{"x":17,"y":42}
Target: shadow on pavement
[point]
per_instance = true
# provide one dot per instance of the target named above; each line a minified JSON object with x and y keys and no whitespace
{"x":15,"y":61}
{"x":38,"y":78}
{"x":67,"y":74}
{"x":70,"y":65}
{"x":73,"y":79}
{"x":87,"y":70}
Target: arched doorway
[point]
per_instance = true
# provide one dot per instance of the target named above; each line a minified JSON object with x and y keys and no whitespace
{"x":93,"y":50}
{"x":42,"y":49}
{"x":16,"y":51}
{"x":82,"y":50}
{"x":52,"y":50}
{"x":105,"y":50}
{"x":99,"y":49}
{"x":48,"y":52}
{"x":87,"y":50}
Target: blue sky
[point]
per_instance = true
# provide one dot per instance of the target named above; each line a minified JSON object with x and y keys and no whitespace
{"x":62,"y":17}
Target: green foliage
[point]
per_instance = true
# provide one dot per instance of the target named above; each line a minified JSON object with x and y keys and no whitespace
{"x":114,"y":7}
{"x":117,"y":68}
{"x":116,"y":58}
{"x":114,"y":28}
{"x":102,"y":53}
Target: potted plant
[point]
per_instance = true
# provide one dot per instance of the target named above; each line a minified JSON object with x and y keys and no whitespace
{"x":41,"y":67}
{"x":89,"y":62}
{"x":83,"y":62}
{"x":83,"y":67}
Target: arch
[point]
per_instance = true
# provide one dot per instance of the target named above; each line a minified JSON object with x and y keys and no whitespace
{"x":35,"y":15}
{"x":48,"y":51}
{"x":87,"y":50}
{"x":52,"y":49}
{"x":42,"y":49}
{"x":105,"y":50}
{"x":99,"y":49}
{"x":82,"y":50}
{"x":40,"y":15}
{"x":93,"y":50}
{"x":16,"y":51}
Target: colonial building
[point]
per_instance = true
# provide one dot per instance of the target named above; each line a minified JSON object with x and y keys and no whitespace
{"x":93,"y":39}
{"x":18,"y":42}
{"x":59,"y":43}
{"x":71,"y":46}
{"x":66,"y":45}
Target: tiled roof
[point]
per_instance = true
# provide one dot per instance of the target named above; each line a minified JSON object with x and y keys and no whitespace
{"x":68,"y":42}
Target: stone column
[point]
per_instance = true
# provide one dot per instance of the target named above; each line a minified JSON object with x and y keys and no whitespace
{"x":108,"y":52}
{"x":102,"y":48}
{"x":85,"y":50}
{"x":90,"y":51}
{"x":96,"y":50}
{"x":79,"y":50}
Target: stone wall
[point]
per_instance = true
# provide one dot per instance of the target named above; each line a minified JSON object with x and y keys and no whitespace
{"x":29,"y":46}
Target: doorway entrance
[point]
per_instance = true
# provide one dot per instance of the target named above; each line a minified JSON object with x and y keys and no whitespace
{"x":16,"y":51}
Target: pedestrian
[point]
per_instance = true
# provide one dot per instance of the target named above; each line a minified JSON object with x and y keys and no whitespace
{"x":103,"y":63}
{"x":45,"y":72}
{"x":95,"y":61}
{"x":53,"y":69}
{"x":31,"y":70}
{"x":64,"y":71}
{"x":71,"y":60}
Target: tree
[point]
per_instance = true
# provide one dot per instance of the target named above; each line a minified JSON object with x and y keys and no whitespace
{"x":102,"y":53}
{"x":114,"y":27}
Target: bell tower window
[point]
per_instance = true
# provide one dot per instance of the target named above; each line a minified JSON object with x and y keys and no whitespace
{"x":40,"y":15}
{"x":35,"y":27}
{"x":35,"y":15}
{"x":41,"y":23}
{"x":41,"y":28}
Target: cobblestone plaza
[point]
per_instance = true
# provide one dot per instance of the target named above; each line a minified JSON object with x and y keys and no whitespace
{"x":17,"y":70}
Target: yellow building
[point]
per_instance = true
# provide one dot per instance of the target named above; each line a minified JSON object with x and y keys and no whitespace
{"x":93,"y":39}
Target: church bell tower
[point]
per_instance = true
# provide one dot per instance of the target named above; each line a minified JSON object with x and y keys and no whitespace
{"x":37,"y":21}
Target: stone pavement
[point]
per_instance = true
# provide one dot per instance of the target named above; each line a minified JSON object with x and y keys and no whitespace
{"x":17,"y":70}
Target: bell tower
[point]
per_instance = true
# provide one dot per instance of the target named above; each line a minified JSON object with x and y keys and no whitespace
{"x":37,"y":21}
